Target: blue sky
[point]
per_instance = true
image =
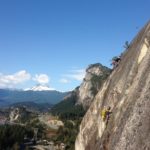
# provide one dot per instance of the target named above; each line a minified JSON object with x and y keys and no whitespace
{"x":53,"y":41}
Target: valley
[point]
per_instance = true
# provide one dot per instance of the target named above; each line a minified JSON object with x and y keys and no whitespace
{"x":52,"y":125}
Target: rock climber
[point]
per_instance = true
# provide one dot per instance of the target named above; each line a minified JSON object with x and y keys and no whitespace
{"x":115,"y":61}
{"x":105,"y":114}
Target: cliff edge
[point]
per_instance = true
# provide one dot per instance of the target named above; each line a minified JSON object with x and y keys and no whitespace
{"x":127,"y":92}
{"x":95,"y":76}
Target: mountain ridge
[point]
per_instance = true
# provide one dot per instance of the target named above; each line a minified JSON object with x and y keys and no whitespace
{"x":8,"y":97}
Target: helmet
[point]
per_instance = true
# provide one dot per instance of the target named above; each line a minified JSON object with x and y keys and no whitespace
{"x":108,"y":107}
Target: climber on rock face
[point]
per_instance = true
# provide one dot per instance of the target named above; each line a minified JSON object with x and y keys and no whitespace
{"x":108,"y":113}
{"x":105,"y":114}
{"x":115,"y":61}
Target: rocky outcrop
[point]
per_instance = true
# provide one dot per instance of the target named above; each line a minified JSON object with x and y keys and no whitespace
{"x":78,"y":101}
{"x":127,"y":91}
{"x":21,"y":115}
{"x":94,"y":78}
{"x":96,"y":74}
{"x":14,"y":115}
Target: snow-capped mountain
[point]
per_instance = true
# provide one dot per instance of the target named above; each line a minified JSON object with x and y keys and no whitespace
{"x":40,"y":88}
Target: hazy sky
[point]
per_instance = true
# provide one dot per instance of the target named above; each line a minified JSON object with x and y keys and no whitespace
{"x":53,"y":41}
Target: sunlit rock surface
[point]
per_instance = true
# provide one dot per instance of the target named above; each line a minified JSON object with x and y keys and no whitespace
{"x":96,"y":74}
{"x":127,"y":91}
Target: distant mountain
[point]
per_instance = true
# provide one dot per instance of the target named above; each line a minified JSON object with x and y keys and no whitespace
{"x":40,"y":88}
{"x":9,"y":97}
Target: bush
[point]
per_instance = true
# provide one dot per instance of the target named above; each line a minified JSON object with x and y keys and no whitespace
{"x":12,"y":135}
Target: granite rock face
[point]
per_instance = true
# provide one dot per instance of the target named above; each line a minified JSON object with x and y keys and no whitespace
{"x":127,"y":91}
{"x":96,"y":74}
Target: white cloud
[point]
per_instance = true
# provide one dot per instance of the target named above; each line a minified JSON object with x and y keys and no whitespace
{"x":78,"y":74}
{"x":11,"y":80}
{"x":63,"y":80}
{"x":41,"y":78}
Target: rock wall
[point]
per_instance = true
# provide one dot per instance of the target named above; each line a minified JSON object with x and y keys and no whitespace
{"x":96,"y":74}
{"x":127,"y":91}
